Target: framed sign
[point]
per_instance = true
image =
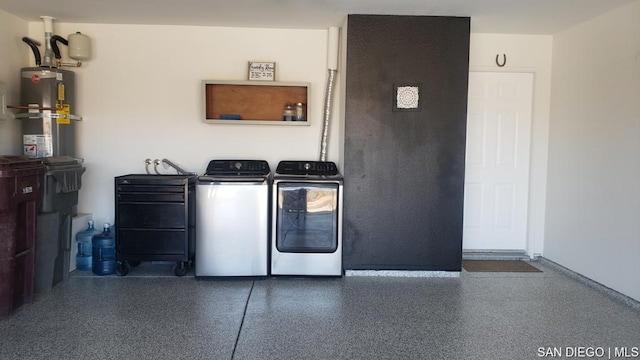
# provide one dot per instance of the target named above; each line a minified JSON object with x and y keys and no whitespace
{"x":262,"y":70}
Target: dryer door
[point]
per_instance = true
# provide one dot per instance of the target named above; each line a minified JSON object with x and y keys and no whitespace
{"x":307,"y":217}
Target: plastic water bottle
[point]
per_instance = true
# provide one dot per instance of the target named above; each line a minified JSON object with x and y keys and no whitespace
{"x":85,"y":252}
{"x":104,"y":252}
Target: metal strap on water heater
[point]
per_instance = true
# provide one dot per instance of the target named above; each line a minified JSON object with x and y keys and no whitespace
{"x":39,"y":115}
{"x":45,"y":115}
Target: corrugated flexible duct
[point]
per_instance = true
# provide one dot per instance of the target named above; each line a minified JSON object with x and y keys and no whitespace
{"x":332,"y":60}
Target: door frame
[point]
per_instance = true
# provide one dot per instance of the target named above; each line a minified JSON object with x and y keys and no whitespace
{"x":538,"y":153}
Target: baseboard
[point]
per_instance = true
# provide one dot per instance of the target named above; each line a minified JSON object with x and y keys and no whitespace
{"x":403,"y":273}
{"x":633,"y":303}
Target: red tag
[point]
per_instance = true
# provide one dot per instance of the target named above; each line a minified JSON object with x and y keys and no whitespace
{"x":35,"y":78}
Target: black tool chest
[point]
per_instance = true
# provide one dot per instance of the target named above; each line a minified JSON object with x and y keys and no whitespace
{"x":155,"y":220}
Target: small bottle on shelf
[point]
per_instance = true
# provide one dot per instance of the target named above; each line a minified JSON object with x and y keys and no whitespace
{"x":289,"y":112}
{"x":300,"y":111}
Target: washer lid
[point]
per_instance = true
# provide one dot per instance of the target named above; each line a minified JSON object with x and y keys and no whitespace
{"x":238,"y":167}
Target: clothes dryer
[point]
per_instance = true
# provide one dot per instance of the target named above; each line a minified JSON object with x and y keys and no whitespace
{"x":307,"y":219}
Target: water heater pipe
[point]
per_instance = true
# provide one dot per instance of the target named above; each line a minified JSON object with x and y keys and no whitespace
{"x":49,"y":56}
{"x":34,"y":47}
{"x":332,"y":62}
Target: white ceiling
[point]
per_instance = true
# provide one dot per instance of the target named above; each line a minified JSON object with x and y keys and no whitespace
{"x":487,"y":16}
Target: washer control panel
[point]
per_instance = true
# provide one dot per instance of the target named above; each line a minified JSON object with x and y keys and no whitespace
{"x":238,"y":167}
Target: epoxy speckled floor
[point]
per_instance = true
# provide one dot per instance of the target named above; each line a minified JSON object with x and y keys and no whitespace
{"x":475,"y":316}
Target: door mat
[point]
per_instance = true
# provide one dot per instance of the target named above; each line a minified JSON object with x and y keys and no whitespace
{"x":498,"y":266}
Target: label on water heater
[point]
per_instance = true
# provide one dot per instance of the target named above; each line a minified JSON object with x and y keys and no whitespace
{"x":64,"y":112}
{"x":37,"y":145}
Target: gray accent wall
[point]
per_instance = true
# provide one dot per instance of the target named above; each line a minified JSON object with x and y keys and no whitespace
{"x":404,"y":168}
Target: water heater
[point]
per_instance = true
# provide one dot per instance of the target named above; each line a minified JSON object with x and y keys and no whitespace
{"x":47,"y":96}
{"x":48,"y":120}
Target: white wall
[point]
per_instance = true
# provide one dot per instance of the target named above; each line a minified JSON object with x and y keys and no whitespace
{"x":14,"y":56}
{"x":593,"y":202}
{"x":141,"y":97}
{"x":525,"y":53}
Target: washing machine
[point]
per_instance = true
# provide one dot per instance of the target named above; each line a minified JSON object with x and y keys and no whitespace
{"x":306,"y":235}
{"x":232,"y":217}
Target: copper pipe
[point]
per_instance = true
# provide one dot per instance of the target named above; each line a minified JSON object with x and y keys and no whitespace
{"x":24,"y":107}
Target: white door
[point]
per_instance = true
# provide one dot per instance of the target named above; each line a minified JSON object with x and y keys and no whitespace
{"x":497,"y":161}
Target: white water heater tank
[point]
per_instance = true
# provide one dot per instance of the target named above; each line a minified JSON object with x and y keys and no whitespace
{"x":79,"y":46}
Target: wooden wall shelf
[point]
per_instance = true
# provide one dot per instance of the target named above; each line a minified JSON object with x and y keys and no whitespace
{"x":256,"y":102}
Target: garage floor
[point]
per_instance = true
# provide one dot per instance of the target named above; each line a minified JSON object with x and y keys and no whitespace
{"x":150,"y":314}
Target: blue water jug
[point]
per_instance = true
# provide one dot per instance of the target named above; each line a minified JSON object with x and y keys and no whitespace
{"x":104,"y":252}
{"x":85,"y":252}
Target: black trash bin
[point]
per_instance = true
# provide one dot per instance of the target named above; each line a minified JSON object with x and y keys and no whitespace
{"x":62,"y":181}
{"x":21,"y":181}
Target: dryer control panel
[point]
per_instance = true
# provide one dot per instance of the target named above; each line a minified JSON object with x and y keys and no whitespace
{"x":326,"y":168}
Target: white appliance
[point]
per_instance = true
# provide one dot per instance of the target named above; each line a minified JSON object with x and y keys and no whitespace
{"x":232,"y":217}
